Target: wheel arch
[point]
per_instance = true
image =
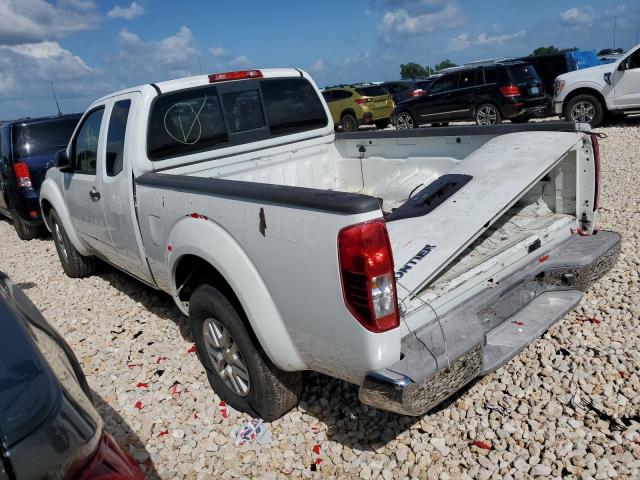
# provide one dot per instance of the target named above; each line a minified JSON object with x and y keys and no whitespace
{"x":192,"y":262}
{"x":348,"y":111}
{"x":585,"y":91}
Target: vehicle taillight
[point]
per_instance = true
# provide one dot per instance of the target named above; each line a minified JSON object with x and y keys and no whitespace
{"x":368,"y":280}
{"x":109,"y":462}
{"x":596,"y":161}
{"x":362,"y":101}
{"x":417,"y":92}
{"x":23,"y":177}
{"x":239,"y":75}
{"x":510,"y":91}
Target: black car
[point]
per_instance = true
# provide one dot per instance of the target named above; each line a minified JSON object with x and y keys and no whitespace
{"x":49,"y":427}
{"x":27,"y":151}
{"x":402,"y":90}
{"x":486,"y":94}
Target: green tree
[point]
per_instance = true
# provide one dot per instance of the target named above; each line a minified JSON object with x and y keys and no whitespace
{"x":550,"y":50}
{"x":446,"y":63}
{"x":412,"y":70}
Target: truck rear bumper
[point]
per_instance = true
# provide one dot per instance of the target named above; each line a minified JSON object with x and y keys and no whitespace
{"x":484,"y":333}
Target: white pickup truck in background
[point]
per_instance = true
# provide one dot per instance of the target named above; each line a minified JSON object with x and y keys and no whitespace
{"x":590,"y":94}
{"x":407,"y":262}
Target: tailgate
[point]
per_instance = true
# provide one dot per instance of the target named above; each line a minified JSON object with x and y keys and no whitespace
{"x":482,"y":187}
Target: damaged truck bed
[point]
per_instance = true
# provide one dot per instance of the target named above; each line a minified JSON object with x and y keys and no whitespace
{"x":407,"y":262}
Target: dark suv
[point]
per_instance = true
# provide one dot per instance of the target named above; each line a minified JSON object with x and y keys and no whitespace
{"x":27,"y":151}
{"x":486,"y":94}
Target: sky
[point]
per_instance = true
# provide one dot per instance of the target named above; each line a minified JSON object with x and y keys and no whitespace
{"x":89,"y":48}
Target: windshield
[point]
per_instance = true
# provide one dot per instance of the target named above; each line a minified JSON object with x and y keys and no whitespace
{"x":374,"y":91}
{"x":31,"y":140}
{"x":522,"y":73}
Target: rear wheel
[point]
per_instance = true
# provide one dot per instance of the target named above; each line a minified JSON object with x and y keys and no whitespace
{"x":348,"y":123}
{"x":584,"y":108}
{"x":238,"y":369}
{"x":487,"y":114}
{"x":24,"y":231}
{"x":74,"y":264}
{"x":382,"y":124}
{"x":405,"y":121}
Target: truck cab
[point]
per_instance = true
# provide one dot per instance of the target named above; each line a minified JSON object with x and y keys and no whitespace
{"x":589,"y":95}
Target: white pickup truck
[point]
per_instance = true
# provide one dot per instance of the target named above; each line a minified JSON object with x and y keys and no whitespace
{"x":590,"y":94}
{"x":406,"y":262}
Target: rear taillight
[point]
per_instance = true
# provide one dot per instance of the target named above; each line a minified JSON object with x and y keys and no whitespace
{"x":596,"y":161}
{"x":417,"y":92}
{"x":510,"y":91}
{"x":368,"y":280}
{"x":362,"y":101}
{"x":109,"y":462}
{"x":23,"y":178}
{"x":239,"y":75}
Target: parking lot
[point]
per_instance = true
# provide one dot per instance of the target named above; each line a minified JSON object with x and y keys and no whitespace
{"x":564,"y":406}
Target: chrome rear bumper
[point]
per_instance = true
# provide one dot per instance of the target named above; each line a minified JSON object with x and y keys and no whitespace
{"x":491,"y":328}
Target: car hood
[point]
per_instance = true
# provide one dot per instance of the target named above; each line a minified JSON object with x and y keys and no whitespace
{"x":592,"y":73}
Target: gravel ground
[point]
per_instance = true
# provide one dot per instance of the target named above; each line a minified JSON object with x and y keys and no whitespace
{"x":126,"y":334}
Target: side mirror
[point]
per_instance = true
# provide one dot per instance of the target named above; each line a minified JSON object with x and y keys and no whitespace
{"x":62,"y":159}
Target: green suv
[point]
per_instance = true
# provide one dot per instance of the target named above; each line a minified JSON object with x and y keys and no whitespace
{"x":355,"y":105}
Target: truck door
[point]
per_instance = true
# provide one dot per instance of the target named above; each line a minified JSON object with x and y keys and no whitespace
{"x":81,"y":187}
{"x":626,"y":84}
{"x":116,"y":188}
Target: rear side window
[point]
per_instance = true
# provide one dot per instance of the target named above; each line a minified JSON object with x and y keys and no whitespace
{"x":292,"y":106}
{"x":468,"y":78}
{"x":445,"y":84}
{"x":45,"y":138}
{"x":490,"y":75}
{"x":522,"y":73}
{"x":184,"y":122}
{"x":373,"y":91}
{"x":5,"y":143}
{"x":115,"y":136}
{"x":85,"y":145}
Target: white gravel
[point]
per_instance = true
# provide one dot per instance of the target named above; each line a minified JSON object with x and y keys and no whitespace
{"x":125,"y":334}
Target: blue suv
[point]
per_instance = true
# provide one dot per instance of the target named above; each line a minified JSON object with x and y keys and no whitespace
{"x":27,"y":150}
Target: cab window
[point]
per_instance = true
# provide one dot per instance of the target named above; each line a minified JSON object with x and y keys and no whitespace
{"x":85,"y":144}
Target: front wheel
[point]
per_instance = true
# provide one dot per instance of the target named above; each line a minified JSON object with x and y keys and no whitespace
{"x":238,"y":369}
{"x":487,"y":114}
{"x":585,"y":109}
{"x":74,"y":264}
{"x":404,"y":121}
{"x":24,"y":231}
{"x":349,"y":123}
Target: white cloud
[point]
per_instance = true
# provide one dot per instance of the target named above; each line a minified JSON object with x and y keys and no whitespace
{"x":317,"y":66}
{"x":128,"y":13}
{"x":241,"y":61}
{"x":218,"y":52}
{"x":578,"y":15}
{"x":406,"y":18}
{"x":465,"y":41}
{"x":29,"y":21}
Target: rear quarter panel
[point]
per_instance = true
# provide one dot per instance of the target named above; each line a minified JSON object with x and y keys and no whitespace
{"x":284,"y":271}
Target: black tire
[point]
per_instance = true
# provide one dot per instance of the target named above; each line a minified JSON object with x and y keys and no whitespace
{"x":584,"y":108}
{"x":271,"y":392}
{"x":405,"y":121}
{"x":487,"y":114}
{"x":25,"y":232}
{"x":349,"y":123}
{"x":382,"y":124}
{"x":520,"y":119}
{"x":73,"y":263}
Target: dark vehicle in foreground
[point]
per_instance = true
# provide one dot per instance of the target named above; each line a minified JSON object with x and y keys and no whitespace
{"x":27,"y":151}
{"x":486,"y":94}
{"x":49,"y":427}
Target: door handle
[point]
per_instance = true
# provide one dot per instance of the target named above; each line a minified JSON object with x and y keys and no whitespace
{"x":94,"y":194}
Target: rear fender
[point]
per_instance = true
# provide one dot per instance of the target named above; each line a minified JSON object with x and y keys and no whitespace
{"x":51,"y":194}
{"x":210,"y":242}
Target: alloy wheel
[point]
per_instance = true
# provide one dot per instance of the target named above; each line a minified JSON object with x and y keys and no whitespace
{"x":487,"y":115}
{"x":583,"y":112}
{"x":60,"y":239}
{"x":404,"y":122}
{"x":225,"y":356}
